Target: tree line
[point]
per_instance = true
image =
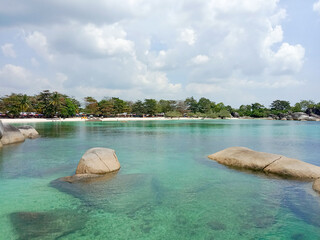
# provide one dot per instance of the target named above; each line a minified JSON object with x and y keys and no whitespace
{"x":54,"y":104}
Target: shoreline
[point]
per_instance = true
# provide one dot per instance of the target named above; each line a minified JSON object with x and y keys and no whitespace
{"x":120,"y":119}
{"x":79,"y":119}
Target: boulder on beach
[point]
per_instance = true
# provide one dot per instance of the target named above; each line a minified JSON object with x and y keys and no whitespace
{"x":28,"y":131}
{"x":316,"y":185}
{"x":98,"y":161}
{"x":241,"y":157}
{"x":11,"y":134}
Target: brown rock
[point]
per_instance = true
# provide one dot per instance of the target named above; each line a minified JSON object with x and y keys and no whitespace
{"x":98,"y":161}
{"x":244,"y":158}
{"x":289,"y":167}
{"x":269,"y":163}
{"x":316,"y":185}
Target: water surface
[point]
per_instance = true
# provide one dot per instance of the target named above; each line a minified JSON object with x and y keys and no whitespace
{"x":167,"y":188}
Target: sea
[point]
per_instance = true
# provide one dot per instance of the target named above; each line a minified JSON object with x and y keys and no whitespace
{"x":167,"y":187}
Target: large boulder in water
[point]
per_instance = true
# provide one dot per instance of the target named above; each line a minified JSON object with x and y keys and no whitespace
{"x":246,"y":158}
{"x":98,"y":161}
{"x":289,"y":167}
{"x":316,"y":185}
{"x":242,"y":157}
{"x":11,"y":134}
{"x":28,"y":131}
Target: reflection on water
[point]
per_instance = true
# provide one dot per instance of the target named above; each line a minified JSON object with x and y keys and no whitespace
{"x":166,"y":187}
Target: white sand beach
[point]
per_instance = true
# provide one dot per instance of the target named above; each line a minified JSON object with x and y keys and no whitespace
{"x":79,"y":119}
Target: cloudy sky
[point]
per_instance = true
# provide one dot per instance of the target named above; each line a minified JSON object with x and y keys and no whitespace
{"x":235,"y":51}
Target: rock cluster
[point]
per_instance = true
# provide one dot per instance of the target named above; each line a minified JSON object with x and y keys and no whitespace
{"x":10,"y":134}
{"x":297,"y":116}
{"x":241,"y":157}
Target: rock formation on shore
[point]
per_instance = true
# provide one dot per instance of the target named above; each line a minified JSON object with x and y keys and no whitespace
{"x":297,"y":116}
{"x":245,"y":158}
{"x":95,"y":162}
{"x":28,"y":131}
{"x":10,"y":134}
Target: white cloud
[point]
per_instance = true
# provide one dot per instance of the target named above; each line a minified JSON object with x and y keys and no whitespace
{"x":20,"y":79}
{"x":316,"y":6}
{"x":38,"y":42}
{"x":200,"y":59}
{"x":8,"y":51}
{"x":145,"y":48}
{"x":188,"y":35}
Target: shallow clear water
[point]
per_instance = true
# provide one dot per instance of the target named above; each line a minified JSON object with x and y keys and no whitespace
{"x":167,"y":188}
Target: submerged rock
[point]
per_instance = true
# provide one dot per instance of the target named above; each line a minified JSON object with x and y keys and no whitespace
{"x":115,"y":193}
{"x":98,"y":161}
{"x":242,"y":157}
{"x":11,"y":134}
{"x":47,"y":225}
{"x":28,"y":131}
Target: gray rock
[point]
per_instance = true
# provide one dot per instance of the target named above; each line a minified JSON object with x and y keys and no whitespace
{"x":314,"y":115}
{"x":235,"y":115}
{"x":289,"y":117}
{"x":316,"y":185}
{"x":1,"y":129}
{"x":28,"y":131}
{"x":300,"y":116}
{"x":11,"y":135}
{"x":241,"y":157}
{"x":98,"y":161}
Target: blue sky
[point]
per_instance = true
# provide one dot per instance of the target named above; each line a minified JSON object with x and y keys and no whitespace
{"x":237,"y":51}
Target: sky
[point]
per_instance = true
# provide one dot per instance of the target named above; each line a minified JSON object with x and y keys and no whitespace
{"x":235,"y":51}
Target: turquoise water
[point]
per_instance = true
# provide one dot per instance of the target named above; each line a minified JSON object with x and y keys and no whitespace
{"x":167,"y":188}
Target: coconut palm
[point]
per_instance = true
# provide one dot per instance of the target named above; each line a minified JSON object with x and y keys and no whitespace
{"x":24,"y":103}
{"x":56,"y":101}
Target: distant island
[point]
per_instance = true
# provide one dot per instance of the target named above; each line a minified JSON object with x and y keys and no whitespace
{"x":48,"y":104}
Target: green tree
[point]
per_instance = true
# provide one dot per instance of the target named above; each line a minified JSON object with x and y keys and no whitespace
{"x":280,"y":105}
{"x":56,"y":102}
{"x":204,"y":105}
{"x":24,"y":102}
{"x":11,"y":105}
{"x":150,"y":106}
{"x":106,"y":107}
{"x":91,"y":106}
{"x":192,"y":104}
{"x":138,"y":108}
{"x":307,"y":104}
{"x":167,"y":105}
{"x":44,"y":105}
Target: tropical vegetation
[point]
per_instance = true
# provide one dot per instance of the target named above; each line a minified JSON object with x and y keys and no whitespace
{"x":54,"y":104}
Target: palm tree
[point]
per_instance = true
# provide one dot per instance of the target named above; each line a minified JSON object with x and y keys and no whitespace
{"x":56,"y":101}
{"x":24,"y":103}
